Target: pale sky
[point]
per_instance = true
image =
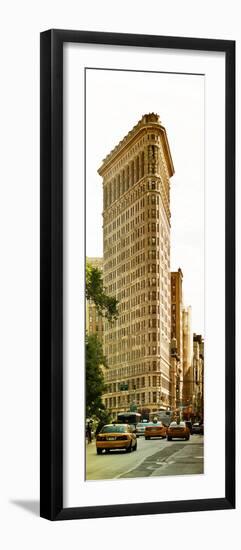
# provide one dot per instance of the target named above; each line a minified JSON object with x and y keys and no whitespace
{"x":115,"y":102}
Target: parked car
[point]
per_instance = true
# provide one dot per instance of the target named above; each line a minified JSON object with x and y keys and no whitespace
{"x":178,"y":430}
{"x":116,"y":436}
{"x":155,"y":429}
{"x":197,"y":428}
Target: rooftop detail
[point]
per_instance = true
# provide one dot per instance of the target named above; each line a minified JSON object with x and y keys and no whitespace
{"x":150,"y":119}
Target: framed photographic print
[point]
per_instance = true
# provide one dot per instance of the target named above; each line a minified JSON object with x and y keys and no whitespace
{"x":137,"y":274}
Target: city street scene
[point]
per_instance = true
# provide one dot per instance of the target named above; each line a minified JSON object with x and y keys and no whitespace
{"x":153,"y":458}
{"x":144,"y":366}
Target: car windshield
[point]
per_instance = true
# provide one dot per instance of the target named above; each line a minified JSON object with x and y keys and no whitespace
{"x":113,"y":428}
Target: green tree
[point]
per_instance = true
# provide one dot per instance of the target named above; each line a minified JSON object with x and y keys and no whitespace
{"x":95,"y":359}
{"x":95,"y":291}
{"x":95,"y":384}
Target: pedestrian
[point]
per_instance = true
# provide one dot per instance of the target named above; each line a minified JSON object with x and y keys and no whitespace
{"x":89,"y":435}
{"x":99,"y":426}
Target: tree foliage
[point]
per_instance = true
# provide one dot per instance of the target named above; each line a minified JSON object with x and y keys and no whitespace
{"x":95,"y":384}
{"x":95,"y":291}
{"x":95,"y":359}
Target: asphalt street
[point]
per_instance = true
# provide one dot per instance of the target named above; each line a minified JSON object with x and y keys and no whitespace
{"x":155,"y":457}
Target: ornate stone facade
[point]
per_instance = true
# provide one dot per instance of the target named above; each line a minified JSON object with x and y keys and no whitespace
{"x":136,"y":267}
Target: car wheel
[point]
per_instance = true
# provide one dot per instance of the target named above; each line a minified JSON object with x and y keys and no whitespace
{"x":135,"y":447}
{"x":99,"y":451}
{"x":169,"y":438}
{"x":187,"y":438}
{"x":146,"y":437}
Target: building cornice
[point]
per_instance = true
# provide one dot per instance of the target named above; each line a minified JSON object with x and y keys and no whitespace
{"x":149,"y":121}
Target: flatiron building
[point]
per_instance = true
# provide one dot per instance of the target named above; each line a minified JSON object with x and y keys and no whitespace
{"x":136,"y":268}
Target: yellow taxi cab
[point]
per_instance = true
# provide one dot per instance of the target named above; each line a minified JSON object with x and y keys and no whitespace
{"x":178,"y":430}
{"x":155,"y":429}
{"x":116,"y":436}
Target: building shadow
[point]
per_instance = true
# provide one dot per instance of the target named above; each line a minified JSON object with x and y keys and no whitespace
{"x":32,"y":506}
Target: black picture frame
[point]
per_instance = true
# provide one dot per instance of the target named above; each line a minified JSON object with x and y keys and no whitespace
{"x":51,"y":323}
